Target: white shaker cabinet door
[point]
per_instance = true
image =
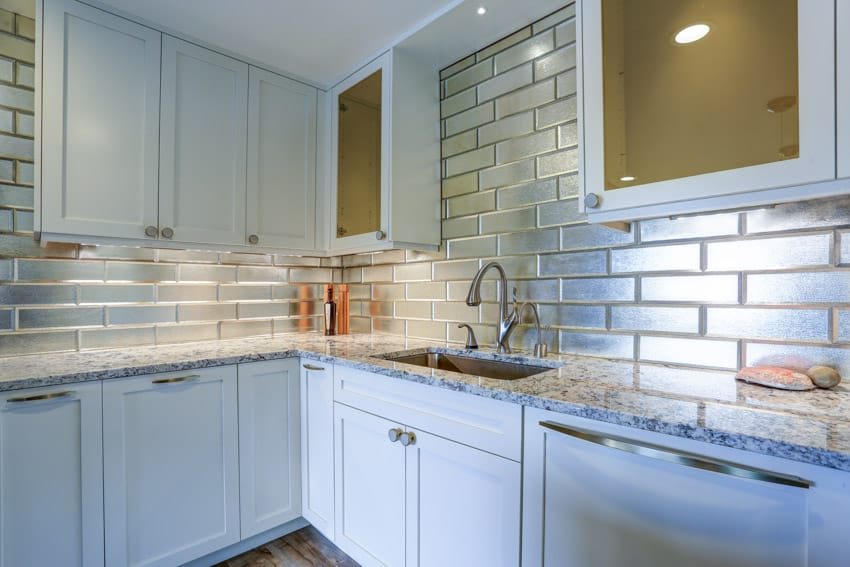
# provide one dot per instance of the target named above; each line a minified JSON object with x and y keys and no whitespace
{"x":281,"y":162}
{"x":171,"y":471}
{"x":269,"y":444}
{"x":100,"y":118}
{"x":317,"y":445}
{"x":51,"y":472}
{"x":203,"y":145}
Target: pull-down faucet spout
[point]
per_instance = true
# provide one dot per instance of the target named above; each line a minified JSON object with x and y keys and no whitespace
{"x":507,"y":320}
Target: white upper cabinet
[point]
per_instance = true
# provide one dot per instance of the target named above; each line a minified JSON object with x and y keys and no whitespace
{"x":742,"y":116}
{"x":385,"y":148}
{"x":842,"y":65}
{"x":203,"y":145}
{"x":100,"y":123}
{"x":281,"y":162}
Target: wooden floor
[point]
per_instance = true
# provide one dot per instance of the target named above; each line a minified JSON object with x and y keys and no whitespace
{"x":304,"y":548}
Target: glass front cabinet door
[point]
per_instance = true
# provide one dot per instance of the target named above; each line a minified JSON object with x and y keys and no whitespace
{"x":691,"y":106}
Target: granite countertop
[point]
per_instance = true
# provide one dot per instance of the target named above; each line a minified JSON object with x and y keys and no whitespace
{"x":704,"y":405}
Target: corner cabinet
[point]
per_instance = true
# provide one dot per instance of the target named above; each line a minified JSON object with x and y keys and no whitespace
{"x":385,"y":147}
{"x":743,"y":116}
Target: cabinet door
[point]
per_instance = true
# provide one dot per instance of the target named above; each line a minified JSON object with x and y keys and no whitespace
{"x":463,"y":505}
{"x":100,"y":117}
{"x":370,"y":486}
{"x":317,"y":443}
{"x":269,"y":444}
{"x":842,"y":68}
{"x":203,"y":146}
{"x":281,"y":162}
{"x":171,"y":484}
{"x":51,"y":474}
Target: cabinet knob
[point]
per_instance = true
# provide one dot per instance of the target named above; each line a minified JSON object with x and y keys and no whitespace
{"x":407,"y":438}
{"x":592,"y":200}
{"x":151,"y":231}
{"x":380,"y":234}
{"x":394,"y":434}
{"x":167,"y":232}
{"x":253,"y":239}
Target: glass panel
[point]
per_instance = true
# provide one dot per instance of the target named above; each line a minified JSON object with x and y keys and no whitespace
{"x":359,"y":158}
{"x":676,"y":106}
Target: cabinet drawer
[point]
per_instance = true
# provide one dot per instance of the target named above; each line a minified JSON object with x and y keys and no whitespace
{"x":489,"y":425}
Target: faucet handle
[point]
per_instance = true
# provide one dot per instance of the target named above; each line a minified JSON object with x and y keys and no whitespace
{"x":470,"y":335}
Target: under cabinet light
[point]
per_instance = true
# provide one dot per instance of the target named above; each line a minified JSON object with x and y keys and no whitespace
{"x":481,"y":10}
{"x":691,"y":33}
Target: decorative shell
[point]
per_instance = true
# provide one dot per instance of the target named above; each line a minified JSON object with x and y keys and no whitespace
{"x":824,"y":376}
{"x":776,"y":377}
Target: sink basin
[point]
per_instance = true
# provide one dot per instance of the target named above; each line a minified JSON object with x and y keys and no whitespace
{"x":468,"y":365}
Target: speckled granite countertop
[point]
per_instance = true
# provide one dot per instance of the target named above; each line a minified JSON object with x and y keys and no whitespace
{"x":710,"y":406}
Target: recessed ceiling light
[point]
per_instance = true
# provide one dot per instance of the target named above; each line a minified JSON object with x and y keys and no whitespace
{"x":627,"y":178}
{"x":482,"y":10}
{"x":691,"y":34}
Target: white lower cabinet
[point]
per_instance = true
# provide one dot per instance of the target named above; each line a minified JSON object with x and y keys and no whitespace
{"x":171,"y":484}
{"x":51,"y":471}
{"x":408,"y":497}
{"x":269,"y":444}
{"x":604,"y":495}
{"x":317,"y":445}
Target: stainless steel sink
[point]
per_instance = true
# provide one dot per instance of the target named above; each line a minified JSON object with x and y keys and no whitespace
{"x":468,"y":365}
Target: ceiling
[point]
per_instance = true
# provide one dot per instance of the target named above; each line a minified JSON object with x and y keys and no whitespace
{"x":323,"y":41}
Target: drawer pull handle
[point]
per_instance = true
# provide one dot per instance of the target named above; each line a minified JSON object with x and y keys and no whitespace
{"x":50,"y":396}
{"x":394,"y":434}
{"x":678,"y":457}
{"x":175,"y":380}
{"x":313,"y":367}
{"x":407,"y":438}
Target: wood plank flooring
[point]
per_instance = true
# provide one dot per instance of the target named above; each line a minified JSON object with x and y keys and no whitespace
{"x":303,"y":548}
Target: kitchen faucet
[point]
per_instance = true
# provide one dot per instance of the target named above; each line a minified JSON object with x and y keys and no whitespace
{"x":507,"y":321}
{"x":540,"y":349}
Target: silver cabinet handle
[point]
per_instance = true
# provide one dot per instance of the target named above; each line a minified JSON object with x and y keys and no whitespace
{"x":175,"y":380}
{"x":151,"y":231}
{"x":380,"y":234}
{"x":678,"y":457}
{"x":394,"y":434}
{"x":253,"y":239}
{"x":313,"y":367}
{"x":592,"y":200}
{"x":407,"y":438}
{"x":167,"y":232}
{"x":50,"y":396}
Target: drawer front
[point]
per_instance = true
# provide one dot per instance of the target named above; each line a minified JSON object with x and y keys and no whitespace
{"x":490,"y":425}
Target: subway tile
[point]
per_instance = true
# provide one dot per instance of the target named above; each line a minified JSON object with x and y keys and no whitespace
{"x":261,"y":274}
{"x":520,"y":266}
{"x":460,"y":143}
{"x":593,"y":236}
{"x":557,"y":163}
{"x":565,"y":33}
{"x":25,"y":75}
{"x":655,"y":318}
{"x":566,"y":84}
{"x":504,"y":43}
{"x":559,"y":111}
{"x":468,"y":77}
{"x":360,"y":325}
{"x":505,"y":82}
{"x":779,"y":324}
{"x":424,"y":255}
{"x":689,"y":227}
{"x":468,"y":119}
{"x":59,"y":270}
{"x":680,"y":257}
{"x":116,"y":293}
{"x":690,"y":352}
{"x":237,"y":329}
{"x":527,"y":194}
{"x":460,"y":226}
{"x":185,"y":333}
{"x":388,"y":257}
{"x":355,"y":260}
{"x":457,"y":103}
{"x":115,"y":338}
{"x":310,"y":275}
{"x":7,"y":70}
{"x":352,"y":275}
{"x":456,"y":67}
{"x":579,"y":316}
{"x":305,"y":308}
{"x":820,"y":213}
{"x":7,"y":220}
{"x":300,"y":325}
{"x":512,"y":219}
{"x":15,"y":344}
{"x":263,"y":310}
{"x":455,"y":270}
{"x":559,"y":213}
{"x":186,"y":293}
{"x":7,"y":120}
{"x":574,"y":263}
{"x":25,"y":27}
{"x":117,"y":253}
{"x":248,"y":259}
{"x":510,"y":174}
{"x":525,"y":99}
{"x":244,"y":293}
{"x":11,"y":196}
{"x":332,"y":262}
{"x":842,"y":328}
{"x":16,"y":97}
{"x":526,"y":51}
{"x":7,"y":170}
{"x":434,"y":330}
{"x":799,"y":288}
{"x":7,"y":21}
{"x":530,"y":241}
{"x":25,"y":247}
{"x":413,"y":309}
{"x":554,"y":18}
{"x":426,"y":290}
{"x":459,"y":290}
{"x":60,"y":317}
{"x":472,"y":247}
{"x":378,"y":308}
{"x":299,"y":261}
{"x":188,"y":256}
{"x":6,"y":271}
{"x":554,"y":63}
{"x":597,"y":344}
{"x":507,"y":128}
{"x":770,"y":253}
{"x":695,"y":289}
{"x":141,"y":315}
{"x":388,"y":326}
{"x":526,"y":146}
{"x":24,"y":221}
{"x":201,"y":273}
{"x":412,"y":272}
{"x":140,"y":272}
{"x":534,"y":290}
{"x":798,"y":357}
{"x":24,"y":124}
{"x":471,"y":204}
{"x":378,"y":273}
{"x":469,"y":161}
{"x":456,"y":311}
{"x":18,"y":48}
{"x":206,"y":312}
{"x":356,"y":291}
{"x":568,"y":135}
{"x":598,"y":289}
